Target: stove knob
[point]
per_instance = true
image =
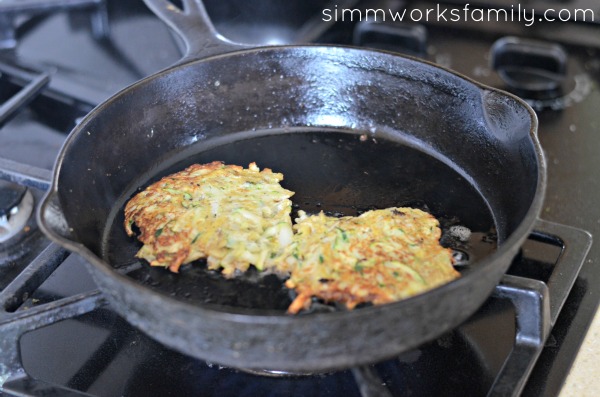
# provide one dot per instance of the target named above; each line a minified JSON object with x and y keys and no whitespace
{"x":529,"y":65}
{"x":10,"y":197}
{"x":399,"y":37}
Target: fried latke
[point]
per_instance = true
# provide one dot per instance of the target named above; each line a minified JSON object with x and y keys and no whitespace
{"x":380,"y":256}
{"x":232,"y":216}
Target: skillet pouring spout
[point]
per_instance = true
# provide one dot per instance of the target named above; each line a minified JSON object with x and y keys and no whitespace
{"x":350,"y":129}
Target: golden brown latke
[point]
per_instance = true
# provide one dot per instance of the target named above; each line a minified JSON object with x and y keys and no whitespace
{"x":236,"y":217}
{"x":380,"y":256}
{"x":233,"y":217}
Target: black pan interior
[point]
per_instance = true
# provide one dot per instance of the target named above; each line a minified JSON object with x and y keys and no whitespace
{"x":350,"y":129}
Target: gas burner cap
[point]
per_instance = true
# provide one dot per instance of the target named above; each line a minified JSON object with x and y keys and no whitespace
{"x":11,"y":195}
{"x":16,"y":206}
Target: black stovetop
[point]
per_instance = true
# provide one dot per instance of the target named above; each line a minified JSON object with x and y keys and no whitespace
{"x":99,"y":353}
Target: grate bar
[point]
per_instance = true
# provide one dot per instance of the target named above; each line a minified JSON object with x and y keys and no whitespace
{"x":533,"y":296}
{"x":14,"y":6}
{"x":31,"y":278}
{"x":28,"y":387}
{"x":10,"y":9}
{"x":532,"y":305}
{"x":575,"y":245}
{"x":17,"y":324}
{"x":23,"y":97}
{"x":24,"y":174}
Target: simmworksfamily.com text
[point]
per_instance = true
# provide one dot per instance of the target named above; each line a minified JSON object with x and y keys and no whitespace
{"x":514,"y":13}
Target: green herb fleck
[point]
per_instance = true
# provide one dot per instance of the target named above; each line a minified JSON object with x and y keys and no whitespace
{"x":321,"y":259}
{"x":343,"y":233}
{"x":158,"y":232}
{"x":359,"y":267}
{"x":196,"y":238}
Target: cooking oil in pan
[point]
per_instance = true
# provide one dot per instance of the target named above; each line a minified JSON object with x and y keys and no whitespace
{"x":340,"y":173}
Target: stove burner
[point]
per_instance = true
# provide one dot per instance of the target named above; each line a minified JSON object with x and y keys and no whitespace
{"x":16,"y":206}
{"x":10,"y":197}
{"x":583,"y":84}
{"x":366,"y":377}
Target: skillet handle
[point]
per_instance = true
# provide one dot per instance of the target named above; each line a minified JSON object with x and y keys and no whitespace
{"x":194,"y":26}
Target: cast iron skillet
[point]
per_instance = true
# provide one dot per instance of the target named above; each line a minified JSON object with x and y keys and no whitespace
{"x":351,"y":129}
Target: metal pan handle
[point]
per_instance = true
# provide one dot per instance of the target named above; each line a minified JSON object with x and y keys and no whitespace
{"x":195,"y":28}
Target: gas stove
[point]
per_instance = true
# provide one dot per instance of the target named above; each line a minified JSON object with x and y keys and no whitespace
{"x":60,"y":58}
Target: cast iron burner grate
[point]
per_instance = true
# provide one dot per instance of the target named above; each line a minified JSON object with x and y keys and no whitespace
{"x":24,"y":85}
{"x":535,"y":308}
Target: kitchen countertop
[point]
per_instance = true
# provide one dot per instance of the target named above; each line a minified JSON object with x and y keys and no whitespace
{"x":583,"y":380}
